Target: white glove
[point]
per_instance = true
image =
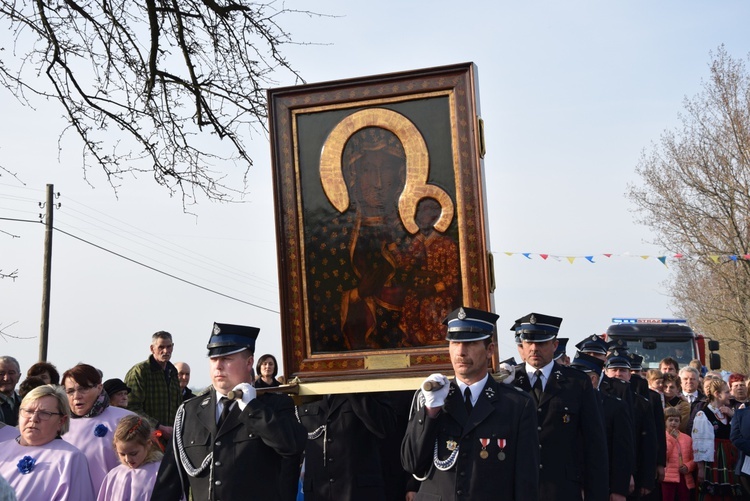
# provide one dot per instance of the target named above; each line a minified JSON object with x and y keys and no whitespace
{"x":248,"y":394}
{"x":510,"y":370}
{"x":436,"y":397}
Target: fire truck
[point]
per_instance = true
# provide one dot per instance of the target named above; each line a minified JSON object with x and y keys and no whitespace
{"x":658,"y":338}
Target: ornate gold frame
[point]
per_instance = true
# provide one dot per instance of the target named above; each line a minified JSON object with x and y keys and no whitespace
{"x":310,"y":126}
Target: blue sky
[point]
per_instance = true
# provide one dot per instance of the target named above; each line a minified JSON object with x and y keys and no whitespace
{"x":571,"y":93}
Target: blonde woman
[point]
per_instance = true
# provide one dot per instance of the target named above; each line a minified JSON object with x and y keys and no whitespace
{"x":715,"y":455}
{"x":35,"y":464}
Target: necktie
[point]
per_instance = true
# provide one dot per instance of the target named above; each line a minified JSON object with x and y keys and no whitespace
{"x":538,"y":390}
{"x":224,"y":411}
{"x":467,"y":400}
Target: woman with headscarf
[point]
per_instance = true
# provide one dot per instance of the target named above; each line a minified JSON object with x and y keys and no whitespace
{"x":37,"y":465}
{"x":93,"y":420}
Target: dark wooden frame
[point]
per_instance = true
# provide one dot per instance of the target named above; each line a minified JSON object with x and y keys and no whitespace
{"x":441,"y":102}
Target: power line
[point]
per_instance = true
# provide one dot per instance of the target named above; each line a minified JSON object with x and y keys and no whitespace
{"x":183,"y":253}
{"x":264,"y":285}
{"x":19,"y":220}
{"x":165,"y":273}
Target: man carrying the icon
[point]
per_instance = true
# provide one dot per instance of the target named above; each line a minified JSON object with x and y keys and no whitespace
{"x":228,"y":444}
{"x":472,"y":437}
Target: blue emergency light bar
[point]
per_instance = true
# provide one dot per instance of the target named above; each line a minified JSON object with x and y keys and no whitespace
{"x":649,"y":321}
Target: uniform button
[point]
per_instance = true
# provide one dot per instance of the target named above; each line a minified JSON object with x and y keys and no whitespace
{"x":332,"y":480}
{"x":539,"y":428}
{"x":463,"y":473}
{"x":330,"y":460}
{"x":218,"y":482}
{"x":217,"y":463}
{"x":329,"y":440}
{"x":460,"y":492}
{"x":541,"y":466}
{"x":218,"y":443}
{"x":540,"y":446}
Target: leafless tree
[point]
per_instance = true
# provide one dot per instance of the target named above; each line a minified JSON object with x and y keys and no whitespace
{"x":695,"y":196}
{"x":150,"y":87}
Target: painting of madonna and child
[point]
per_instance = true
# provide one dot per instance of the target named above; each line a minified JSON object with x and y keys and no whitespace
{"x":379,"y":216}
{"x":372,"y":284}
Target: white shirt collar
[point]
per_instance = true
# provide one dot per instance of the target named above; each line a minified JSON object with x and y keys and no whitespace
{"x":475,"y":388}
{"x":546,"y":371}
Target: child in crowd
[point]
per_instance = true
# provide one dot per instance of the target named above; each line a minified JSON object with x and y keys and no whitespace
{"x":678,"y":480}
{"x":134,"y":479}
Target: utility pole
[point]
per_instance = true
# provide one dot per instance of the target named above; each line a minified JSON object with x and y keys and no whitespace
{"x":47,"y":275}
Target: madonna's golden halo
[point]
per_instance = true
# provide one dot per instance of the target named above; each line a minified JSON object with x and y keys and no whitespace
{"x":417,"y":165}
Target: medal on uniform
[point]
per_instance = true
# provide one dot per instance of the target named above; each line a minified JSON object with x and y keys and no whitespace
{"x":501,"y":445}
{"x":483,"y":453}
{"x":566,"y":418}
{"x":451,"y":445}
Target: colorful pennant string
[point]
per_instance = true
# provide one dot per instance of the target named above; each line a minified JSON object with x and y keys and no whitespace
{"x":663,"y":259}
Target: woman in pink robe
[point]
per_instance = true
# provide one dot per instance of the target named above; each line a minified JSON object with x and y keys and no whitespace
{"x":8,"y":432}
{"x":37,"y":465}
{"x":93,"y":420}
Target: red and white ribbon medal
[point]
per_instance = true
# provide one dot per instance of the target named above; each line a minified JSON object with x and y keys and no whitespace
{"x":483,"y":453}
{"x":501,"y":445}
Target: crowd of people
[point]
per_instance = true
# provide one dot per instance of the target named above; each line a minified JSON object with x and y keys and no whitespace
{"x":597,"y":427}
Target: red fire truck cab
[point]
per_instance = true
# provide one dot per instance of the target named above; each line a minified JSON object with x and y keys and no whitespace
{"x":658,"y":338}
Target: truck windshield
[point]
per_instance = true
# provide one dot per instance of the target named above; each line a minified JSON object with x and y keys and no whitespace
{"x":654,"y":351}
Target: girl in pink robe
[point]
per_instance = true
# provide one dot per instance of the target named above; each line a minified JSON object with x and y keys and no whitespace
{"x":134,"y":479}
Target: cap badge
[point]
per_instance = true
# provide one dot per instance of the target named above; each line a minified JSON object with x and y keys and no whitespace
{"x":532,"y":320}
{"x":461,"y":314}
{"x":451,"y":445}
{"x":217,"y":330}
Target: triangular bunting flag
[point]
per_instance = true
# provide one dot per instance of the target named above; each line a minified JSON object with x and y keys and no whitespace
{"x":527,"y":255}
{"x":544,"y":256}
{"x":571,"y":259}
{"x":663,"y":260}
{"x":715,"y":259}
{"x":590,"y":259}
{"x":644,"y":257}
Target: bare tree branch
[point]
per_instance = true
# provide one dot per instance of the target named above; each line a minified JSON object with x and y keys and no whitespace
{"x":695,"y":196}
{"x":153,"y":87}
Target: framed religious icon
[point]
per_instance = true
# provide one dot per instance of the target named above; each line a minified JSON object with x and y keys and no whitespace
{"x":380,"y":220}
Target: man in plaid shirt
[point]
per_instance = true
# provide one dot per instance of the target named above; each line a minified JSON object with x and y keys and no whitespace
{"x":155,"y":387}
